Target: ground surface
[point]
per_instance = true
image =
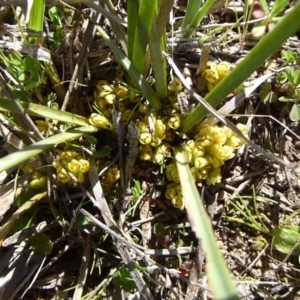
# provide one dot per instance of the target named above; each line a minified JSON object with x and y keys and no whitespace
{"x":261,"y":188}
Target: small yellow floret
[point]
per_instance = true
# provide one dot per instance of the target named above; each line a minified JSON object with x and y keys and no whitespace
{"x":223,"y":69}
{"x":175,"y":121}
{"x":172,"y":172}
{"x":62,"y":176}
{"x":84,"y":165}
{"x":113,"y":174}
{"x":39,"y":183}
{"x":74,"y":166}
{"x":121,"y":92}
{"x":201,"y":162}
{"x":110,"y":98}
{"x":174,"y":194}
{"x":159,"y":128}
{"x":214,"y":176}
{"x":100,"y":121}
{"x":175,"y":85}
{"x":145,"y":138}
{"x":146,"y":152}
{"x":106,"y":90}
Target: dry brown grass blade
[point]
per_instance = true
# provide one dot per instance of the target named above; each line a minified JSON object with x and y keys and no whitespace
{"x":84,"y":268}
{"x":77,"y":74}
{"x":108,"y":218}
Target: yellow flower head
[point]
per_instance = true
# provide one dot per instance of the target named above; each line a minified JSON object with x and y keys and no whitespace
{"x":101,"y":103}
{"x":106,"y":89}
{"x":142,"y":127}
{"x":67,"y":155}
{"x":174,"y":194}
{"x":39,"y":183}
{"x":110,"y":98}
{"x":143,"y":108}
{"x":100,"y":121}
{"x":178,"y":202}
{"x":112,"y":175}
{"x":145,"y":138}
{"x":159,"y":128}
{"x":198,"y":151}
{"x":100,"y":84}
{"x":146,"y":152}
{"x":189,"y":148}
{"x":62,"y":176}
{"x":201,"y":162}
{"x":44,"y":126}
{"x":214,"y":176}
{"x":172,"y":172}
{"x":223,"y":69}
{"x":174,"y":121}
{"x":84,"y":165}
{"x":74,"y":166}
{"x":121,"y":92}
{"x":155,"y":141}
{"x":175,"y":85}
{"x":161,"y":152}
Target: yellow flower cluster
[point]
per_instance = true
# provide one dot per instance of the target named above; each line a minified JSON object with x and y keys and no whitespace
{"x":105,"y":96}
{"x":154,"y":144}
{"x":38,"y":179}
{"x":155,"y":140}
{"x":206,"y":153}
{"x":110,"y":177}
{"x":45,"y":127}
{"x":214,"y":73}
{"x":209,"y":150}
{"x":174,"y":194}
{"x":75,"y":163}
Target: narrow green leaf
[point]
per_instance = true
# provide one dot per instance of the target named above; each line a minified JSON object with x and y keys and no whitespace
{"x":144,"y":23}
{"x":35,"y":16}
{"x":158,"y":61}
{"x":278,"y":7}
{"x":165,"y":7}
{"x":132,"y":16}
{"x":195,"y":16}
{"x":265,"y":6}
{"x":13,"y":159}
{"x":218,"y":274}
{"x":192,"y":10}
{"x":44,"y":112}
{"x":266,"y":47}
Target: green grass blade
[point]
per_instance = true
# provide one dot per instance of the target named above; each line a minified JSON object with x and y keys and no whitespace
{"x":16,"y":158}
{"x":266,"y":47}
{"x":165,"y":7}
{"x":196,"y":15}
{"x":44,"y":112}
{"x":144,"y":22}
{"x":158,"y":63}
{"x":35,"y":16}
{"x":156,"y":44}
{"x":218,"y":274}
{"x":136,"y":76}
{"x":132,"y":13}
{"x":192,"y":10}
